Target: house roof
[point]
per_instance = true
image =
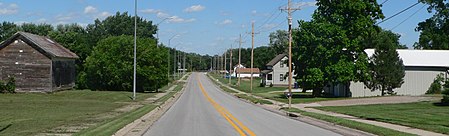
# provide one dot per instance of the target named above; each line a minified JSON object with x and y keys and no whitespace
{"x":421,"y":58}
{"x":266,"y":71}
{"x":276,"y":59}
{"x":248,"y":70}
{"x":43,"y":44}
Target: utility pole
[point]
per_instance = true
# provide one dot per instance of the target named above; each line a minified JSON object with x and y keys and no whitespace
{"x":184,"y":65}
{"x":289,"y":11}
{"x":240,"y":52}
{"x":252,"y":55}
{"x":135,"y":50}
{"x":230,"y":65}
{"x":225,"y":60}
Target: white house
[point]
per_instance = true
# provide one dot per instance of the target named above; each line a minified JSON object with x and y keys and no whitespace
{"x":421,"y":68}
{"x":243,"y":72}
{"x":276,"y":73}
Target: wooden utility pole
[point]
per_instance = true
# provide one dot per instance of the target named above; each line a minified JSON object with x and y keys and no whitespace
{"x":230,"y":65}
{"x":252,"y":55}
{"x":225,"y":63}
{"x":240,"y":52}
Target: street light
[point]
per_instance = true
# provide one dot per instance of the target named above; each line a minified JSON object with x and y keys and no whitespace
{"x":157,"y":25}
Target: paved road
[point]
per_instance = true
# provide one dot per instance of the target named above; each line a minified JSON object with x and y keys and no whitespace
{"x":204,"y":110}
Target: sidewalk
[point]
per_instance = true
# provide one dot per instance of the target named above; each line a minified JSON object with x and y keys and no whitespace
{"x":305,"y":107}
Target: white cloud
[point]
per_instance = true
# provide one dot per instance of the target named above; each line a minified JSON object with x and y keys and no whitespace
{"x":176,"y":19}
{"x":150,"y":11}
{"x":8,"y":9}
{"x":103,"y":15}
{"x":90,"y":10}
{"x":65,"y":17}
{"x":162,"y":15}
{"x":225,"y":22}
{"x":42,"y":20}
{"x":194,"y":8}
{"x":304,"y":4}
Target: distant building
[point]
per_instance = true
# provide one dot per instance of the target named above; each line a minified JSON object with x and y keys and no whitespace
{"x":276,"y":73}
{"x":243,"y":72}
{"x":421,"y":68}
{"x":38,"y":63}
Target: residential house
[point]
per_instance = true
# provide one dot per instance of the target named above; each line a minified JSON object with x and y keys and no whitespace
{"x":37,"y":63}
{"x":276,"y":73}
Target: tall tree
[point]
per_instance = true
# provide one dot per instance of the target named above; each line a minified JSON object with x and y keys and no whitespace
{"x":330,"y":46}
{"x":279,"y":41}
{"x":434,"y":32}
{"x":7,"y":29}
{"x":110,"y":65}
{"x":387,"y":68}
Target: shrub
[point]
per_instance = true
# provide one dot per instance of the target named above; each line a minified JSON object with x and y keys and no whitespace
{"x":445,"y":93}
{"x":436,"y":86}
{"x":9,"y":86}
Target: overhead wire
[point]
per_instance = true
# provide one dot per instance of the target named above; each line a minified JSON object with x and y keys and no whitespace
{"x":398,"y":13}
{"x":408,"y":17}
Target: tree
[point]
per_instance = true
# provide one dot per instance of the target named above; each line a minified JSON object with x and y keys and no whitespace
{"x":7,"y":29}
{"x":40,"y":29}
{"x":110,"y":66}
{"x":330,"y":46}
{"x":434,"y":32}
{"x":279,"y":41}
{"x":387,"y":68}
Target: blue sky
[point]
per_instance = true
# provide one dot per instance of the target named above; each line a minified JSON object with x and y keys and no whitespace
{"x":201,"y":26}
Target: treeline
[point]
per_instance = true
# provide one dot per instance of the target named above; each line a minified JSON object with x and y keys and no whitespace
{"x":105,"y":49}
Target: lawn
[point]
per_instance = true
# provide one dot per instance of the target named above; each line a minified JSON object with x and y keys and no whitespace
{"x":381,"y":131}
{"x":34,"y":113}
{"x":273,"y":93}
{"x":423,"y":115}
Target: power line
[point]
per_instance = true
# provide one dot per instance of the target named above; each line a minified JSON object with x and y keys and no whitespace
{"x":398,"y":13}
{"x":408,"y":17}
{"x":384,"y":2}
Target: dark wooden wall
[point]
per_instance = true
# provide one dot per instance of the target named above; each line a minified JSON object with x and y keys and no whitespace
{"x":29,"y":67}
{"x":63,"y":74}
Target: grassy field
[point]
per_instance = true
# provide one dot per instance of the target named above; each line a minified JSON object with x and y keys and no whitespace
{"x":253,"y":99}
{"x":423,"y":115}
{"x":381,"y":131}
{"x":30,"y":114}
{"x":273,"y":93}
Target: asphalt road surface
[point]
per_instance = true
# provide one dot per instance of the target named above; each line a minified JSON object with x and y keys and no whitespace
{"x":204,"y":110}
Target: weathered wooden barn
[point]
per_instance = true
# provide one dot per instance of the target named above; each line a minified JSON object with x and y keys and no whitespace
{"x":37,"y":63}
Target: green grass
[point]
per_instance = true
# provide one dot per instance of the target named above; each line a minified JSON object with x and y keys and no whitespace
{"x":296,"y":97}
{"x":109,"y":127}
{"x":271,"y":93}
{"x":381,"y":131}
{"x":33,"y":113}
{"x":227,"y":89}
{"x":253,"y":99}
{"x":245,"y":84}
{"x":422,"y":115}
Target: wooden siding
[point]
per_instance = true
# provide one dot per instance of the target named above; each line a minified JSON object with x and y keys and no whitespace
{"x":29,"y":67}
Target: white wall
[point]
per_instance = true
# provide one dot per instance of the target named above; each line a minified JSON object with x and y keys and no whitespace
{"x":416,"y":82}
{"x":277,"y":70}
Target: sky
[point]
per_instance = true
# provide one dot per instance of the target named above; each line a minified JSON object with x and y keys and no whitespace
{"x":202,"y":26}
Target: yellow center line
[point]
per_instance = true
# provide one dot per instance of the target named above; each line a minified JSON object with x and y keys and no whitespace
{"x":225,"y":113}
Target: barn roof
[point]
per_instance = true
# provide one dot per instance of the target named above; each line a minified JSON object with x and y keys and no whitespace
{"x":276,"y":59}
{"x":248,"y":70}
{"x":48,"y":47}
{"x":421,"y":58}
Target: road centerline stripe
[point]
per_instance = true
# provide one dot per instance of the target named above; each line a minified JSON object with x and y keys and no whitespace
{"x":226,"y":114}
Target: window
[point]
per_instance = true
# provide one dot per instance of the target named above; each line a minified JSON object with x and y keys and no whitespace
{"x":270,"y":77}
{"x":281,"y":77}
{"x":282,"y":63}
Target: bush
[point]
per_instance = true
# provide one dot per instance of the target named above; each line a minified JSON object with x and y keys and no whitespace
{"x":445,"y":93}
{"x":436,"y":86}
{"x":9,"y":87}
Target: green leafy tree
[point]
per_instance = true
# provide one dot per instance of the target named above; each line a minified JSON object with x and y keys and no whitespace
{"x":434,"y":32}
{"x":7,"y":29}
{"x":279,"y":41}
{"x":110,"y":67}
{"x":330,"y":46}
{"x":386,"y":65}
{"x":40,"y":29}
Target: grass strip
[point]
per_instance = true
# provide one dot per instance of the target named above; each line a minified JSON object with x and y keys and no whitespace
{"x":109,"y":127}
{"x":253,"y":99}
{"x":381,"y":131}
